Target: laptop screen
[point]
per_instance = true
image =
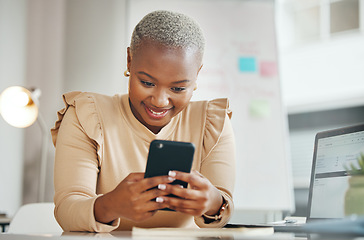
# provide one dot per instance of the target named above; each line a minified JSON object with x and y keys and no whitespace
{"x":329,"y":181}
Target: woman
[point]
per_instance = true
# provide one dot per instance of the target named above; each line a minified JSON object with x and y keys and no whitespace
{"x":102,"y":142}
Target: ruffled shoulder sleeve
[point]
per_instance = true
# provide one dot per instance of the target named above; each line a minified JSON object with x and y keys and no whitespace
{"x":216,"y":113}
{"x":86,"y":112}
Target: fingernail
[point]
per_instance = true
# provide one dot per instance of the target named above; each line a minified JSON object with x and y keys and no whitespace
{"x":180,"y":186}
{"x":162,"y":186}
{"x":159,"y":200}
{"x":171,"y":173}
{"x":171,"y":179}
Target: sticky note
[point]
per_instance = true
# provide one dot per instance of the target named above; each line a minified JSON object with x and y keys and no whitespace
{"x":260,"y":108}
{"x":268,"y":69}
{"x":247,"y":64}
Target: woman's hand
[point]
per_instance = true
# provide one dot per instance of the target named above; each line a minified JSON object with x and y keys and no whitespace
{"x":200,"y":198}
{"x":131,"y":199}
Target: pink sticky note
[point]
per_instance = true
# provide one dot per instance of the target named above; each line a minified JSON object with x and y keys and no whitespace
{"x":268,"y":69}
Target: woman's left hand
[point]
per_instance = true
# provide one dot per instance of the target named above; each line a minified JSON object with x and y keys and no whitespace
{"x":200,"y":198}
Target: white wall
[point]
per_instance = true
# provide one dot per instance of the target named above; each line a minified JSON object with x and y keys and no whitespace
{"x":321,"y":74}
{"x":12,"y":72}
{"x":95,"y":46}
{"x":324,"y":75}
{"x":44,"y":64}
{"x":57,"y":46}
{"x":72,"y":45}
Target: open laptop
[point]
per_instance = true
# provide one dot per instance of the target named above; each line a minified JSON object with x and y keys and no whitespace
{"x":333,"y":150}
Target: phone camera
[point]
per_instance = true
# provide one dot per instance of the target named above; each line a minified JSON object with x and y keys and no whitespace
{"x":160,"y":145}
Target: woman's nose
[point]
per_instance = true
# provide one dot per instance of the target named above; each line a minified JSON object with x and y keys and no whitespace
{"x":160,"y":99}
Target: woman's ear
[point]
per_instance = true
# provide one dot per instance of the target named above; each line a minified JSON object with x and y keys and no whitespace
{"x":128,"y":58}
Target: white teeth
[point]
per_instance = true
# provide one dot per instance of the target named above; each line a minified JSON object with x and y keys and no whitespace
{"x":157,"y":113}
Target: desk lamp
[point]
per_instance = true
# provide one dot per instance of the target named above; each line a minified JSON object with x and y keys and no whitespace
{"x":19,"y":108}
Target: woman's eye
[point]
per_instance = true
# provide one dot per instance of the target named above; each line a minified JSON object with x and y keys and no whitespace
{"x":147,"y":84}
{"x":178,"y":89}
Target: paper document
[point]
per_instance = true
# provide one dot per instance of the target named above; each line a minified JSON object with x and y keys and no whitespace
{"x":201,"y":232}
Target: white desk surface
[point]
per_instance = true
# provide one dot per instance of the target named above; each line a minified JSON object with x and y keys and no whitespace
{"x":128,"y":235}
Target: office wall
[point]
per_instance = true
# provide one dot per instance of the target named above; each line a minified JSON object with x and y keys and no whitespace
{"x":12,"y":71}
{"x":321,"y":73}
{"x":95,"y":46}
{"x":57,"y":46}
{"x":324,"y":75}
{"x":72,"y":45}
{"x":44,"y":70}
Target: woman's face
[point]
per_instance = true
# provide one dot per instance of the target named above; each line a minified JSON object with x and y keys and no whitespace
{"x":161,"y":83}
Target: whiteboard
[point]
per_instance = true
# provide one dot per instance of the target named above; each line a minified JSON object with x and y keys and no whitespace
{"x":240,"y":63}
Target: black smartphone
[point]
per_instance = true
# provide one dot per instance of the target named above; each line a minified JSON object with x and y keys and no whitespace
{"x":165,"y":156}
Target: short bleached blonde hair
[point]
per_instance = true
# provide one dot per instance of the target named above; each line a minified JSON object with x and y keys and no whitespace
{"x":170,"y":29}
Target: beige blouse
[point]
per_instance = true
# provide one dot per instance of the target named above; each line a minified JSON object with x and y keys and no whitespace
{"x":99,"y":142}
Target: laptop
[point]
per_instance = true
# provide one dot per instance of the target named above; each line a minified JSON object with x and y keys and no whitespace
{"x":333,"y":150}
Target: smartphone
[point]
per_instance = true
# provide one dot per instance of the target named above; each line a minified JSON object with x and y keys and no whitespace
{"x":165,"y":156}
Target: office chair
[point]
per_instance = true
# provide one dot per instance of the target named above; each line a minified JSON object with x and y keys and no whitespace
{"x":35,"y":218}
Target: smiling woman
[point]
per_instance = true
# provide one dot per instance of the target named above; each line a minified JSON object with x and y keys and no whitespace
{"x":161,"y":83}
{"x":102,"y":142}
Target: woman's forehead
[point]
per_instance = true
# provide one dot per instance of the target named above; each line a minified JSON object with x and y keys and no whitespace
{"x":161,"y":62}
{"x":165,"y":56}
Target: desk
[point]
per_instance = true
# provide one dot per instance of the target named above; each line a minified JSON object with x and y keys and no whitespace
{"x":128,"y":235}
{"x":4,"y":221}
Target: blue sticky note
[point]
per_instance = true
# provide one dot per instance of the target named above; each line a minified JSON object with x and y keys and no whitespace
{"x":247,"y":64}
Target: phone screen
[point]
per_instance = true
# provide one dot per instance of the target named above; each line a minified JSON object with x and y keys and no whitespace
{"x":169,"y":155}
{"x":165,"y":156}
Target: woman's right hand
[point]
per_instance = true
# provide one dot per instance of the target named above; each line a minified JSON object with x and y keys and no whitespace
{"x":131,"y":200}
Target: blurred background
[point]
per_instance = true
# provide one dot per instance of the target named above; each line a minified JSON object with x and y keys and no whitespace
{"x":80,"y":45}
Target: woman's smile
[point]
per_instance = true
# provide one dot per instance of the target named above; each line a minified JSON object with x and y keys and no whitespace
{"x":156,"y":113}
